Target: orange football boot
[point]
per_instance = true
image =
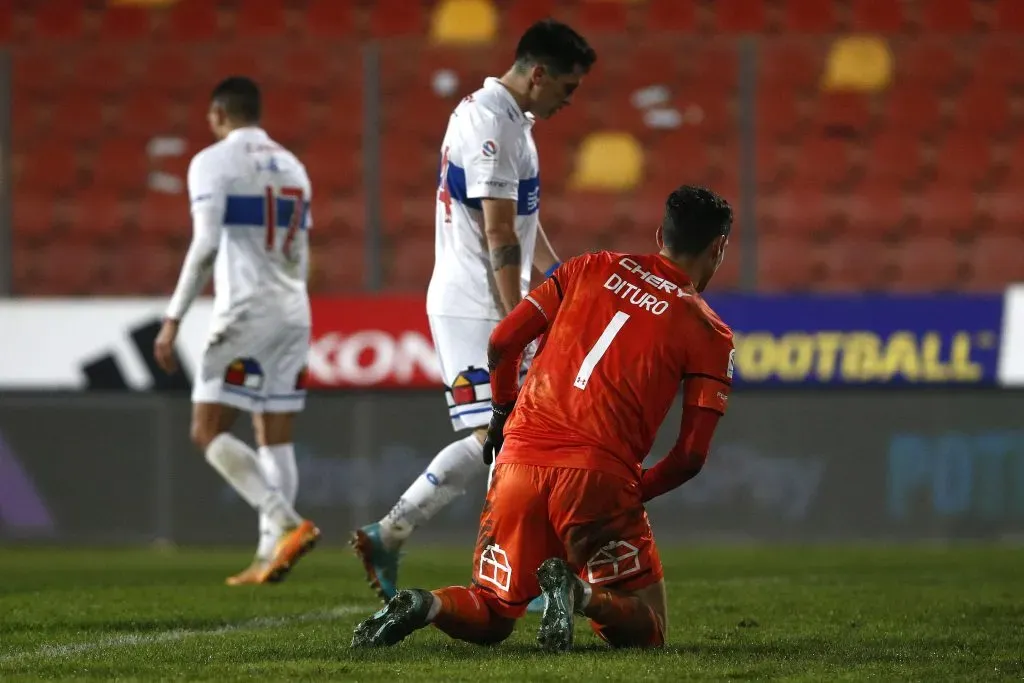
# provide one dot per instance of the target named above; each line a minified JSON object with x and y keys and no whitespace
{"x":251,"y":575}
{"x":290,"y":548}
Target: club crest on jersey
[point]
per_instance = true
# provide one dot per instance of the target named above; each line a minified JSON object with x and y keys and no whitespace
{"x":244,"y":372}
{"x":489,"y":148}
{"x":464,"y":388}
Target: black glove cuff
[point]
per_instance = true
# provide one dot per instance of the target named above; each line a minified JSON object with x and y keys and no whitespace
{"x":502,"y":409}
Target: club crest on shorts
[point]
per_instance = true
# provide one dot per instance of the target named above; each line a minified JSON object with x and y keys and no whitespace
{"x":244,"y":372}
{"x":494,"y":567}
{"x":615,"y":559}
{"x":465,"y":388}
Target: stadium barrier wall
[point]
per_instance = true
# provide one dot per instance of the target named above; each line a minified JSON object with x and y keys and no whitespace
{"x":917,"y":436}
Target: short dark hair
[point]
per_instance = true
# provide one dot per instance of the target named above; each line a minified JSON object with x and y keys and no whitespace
{"x":555,"y":46}
{"x":240,"y":97}
{"x":694,"y":217}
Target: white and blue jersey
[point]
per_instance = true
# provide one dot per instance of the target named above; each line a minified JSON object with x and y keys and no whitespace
{"x":261,"y":193}
{"x":488,"y":153}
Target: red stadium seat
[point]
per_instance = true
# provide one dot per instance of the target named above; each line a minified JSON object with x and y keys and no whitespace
{"x":78,"y":117}
{"x":39,"y":72}
{"x":788,"y":64}
{"x":334,"y":166}
{"x":740,"y":16}
{"x":894,"y":156}
{"x":309,"y":66}
{"x":995,"y":262}
{"x":329,"y":19}
{"x":411,"y":263}
{"x":924,"y":64}
{"x":842,"y":112}
{"x":146,"y":113}
{"x":852,"y":264}
{"x":984,"y":107}
{"x":98,"y":216}
{"x":824,"y":161}
{"x":785,"y":265}
{"x":59,"y":20}
{"x":999,"y":62}
{"x":947,"y":16}
{"x":796,"y":212}
{"x":174,"y":69}
{"x":912,"y":110}
{"x":193,"y":21}
{"x":670,"y":16}
{"x":1009,"y":16}
{"x":397,"y":18}
{"x":964,"y":157}
{"x":50,"y":168}
{"x":146,"y":269}
{"x":125,"y":23}
{"x":36,"y":218}
{"x":879,"y":16}
{"x":927,"y":264}
{"x":164,"y":217}
{"x":63,"y":268}
{"x":602,"y":17}
{"x":521,"y":14}
{"x":103,"y":70}
{"x":875,"y":210}
{"x":338,"y":267}
{"x":1003,"y":210}
{"x":125,"y":166}
{"x":238,"y":60}
{"x":6,"y":22}
{"x":263,"y":19}
{"x":944,"y":210}
{"x":809,"y":16}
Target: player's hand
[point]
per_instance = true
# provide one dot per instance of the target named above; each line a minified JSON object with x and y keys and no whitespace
{"x":496,"y":431}
{"x":163,"y":347}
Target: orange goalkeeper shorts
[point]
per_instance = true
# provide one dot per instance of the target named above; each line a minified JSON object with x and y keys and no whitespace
{"x":594,"y":520}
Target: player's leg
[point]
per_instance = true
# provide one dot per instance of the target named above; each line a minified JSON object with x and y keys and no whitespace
{"x":514,"y":534}
{"x":277,"y":460}
{"x":613,"y":574}
{"x":462,"y":352}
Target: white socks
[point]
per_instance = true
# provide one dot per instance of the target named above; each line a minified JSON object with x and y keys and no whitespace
{"x":237,"y":463}
{"x":444,"y":480}
{"x":278,"y":465}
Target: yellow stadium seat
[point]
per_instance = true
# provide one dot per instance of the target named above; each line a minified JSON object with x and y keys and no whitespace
{"x":608,"y":161}
{"x":862,"y":63}
{"x":464,"y":22}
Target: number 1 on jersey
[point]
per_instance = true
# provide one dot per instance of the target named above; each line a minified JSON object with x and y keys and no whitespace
{"x":599,"y":349}
{"x":298,"y":213}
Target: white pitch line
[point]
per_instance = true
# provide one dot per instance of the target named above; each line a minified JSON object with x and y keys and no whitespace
{"x":59,"y":651}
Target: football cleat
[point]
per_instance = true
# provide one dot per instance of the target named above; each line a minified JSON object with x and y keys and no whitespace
{"x":292,"y":546}
{"x":251,"y":575}
{"x":561,"y":591}
{"x":380,"y":564}
{"x":391,"y":624}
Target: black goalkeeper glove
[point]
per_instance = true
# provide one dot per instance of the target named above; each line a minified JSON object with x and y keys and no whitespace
{"x":496,"y":430}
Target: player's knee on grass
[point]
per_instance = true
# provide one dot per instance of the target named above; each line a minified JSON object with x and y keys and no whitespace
{"x":651,"y":634}
{"x":208,"y":421}
{"x":496,"y":631}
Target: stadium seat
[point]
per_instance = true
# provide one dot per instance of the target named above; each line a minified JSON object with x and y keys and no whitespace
{"x":338,"y":267}
{"x":851,"y":264}
{"x":235,"y":59}
{"x":62,"y":268}
{"x":994,"y":261}
{"x":103,"y":70}
{"x":125,"y":165}
{"x":740,"y":16}
{"x":175,"y":69}
{"x":98,"y":216}
{"x":464,"y":22}
{"x":391,"y":18}
{"x":998,"y":62}
{"x":78,"y":117}
{"x":7,"y":23}
{"x":809,"y":16}
{"x":164,"y":217}
{"x":521,"y":14}
{"x":823,"y":160}
{"x":39,"y":73}
{"x":410,"y":264}
{"x":670,"y":16}
{"x":123,"y":23}
{"x":59,"y":20}
{"x":36,"y":218}
{"x":894,"y":156}
{"x":784,"y":265}
{"x":984,"y":107}
{"x":602,"y":16}
{"x":927,"y":264}
{"x":878,"y":16}
{"x":944,"y":210}
{"x":964,"y":157}
{"x":799,"y":211}
{"x":263,"y":19}
{"x":51,"y":168}
{"x":928,"y":63}
{"x":875,"y":210}
{"x":608,"y":161}
{"x":334,"y":166}
{"x":861,"y":63}
{"x":193,"y":21}
{"x":793,"y":65}
{"x":146,"y":112}
{"x":1009,"y":16}
{"x":329,"y":19}
{"x":947,"y":16}
{"x":1003,"y":210}
{"x":842,"y":113}
{"x":147,"y":269}
{"x":912,"y":109}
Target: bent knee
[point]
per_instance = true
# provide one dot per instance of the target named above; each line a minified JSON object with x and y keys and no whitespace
{"x":497,"y":631}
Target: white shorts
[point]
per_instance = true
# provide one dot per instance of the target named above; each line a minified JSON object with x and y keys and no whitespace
{"x":256,"y":368}
{"x":461,"y":345}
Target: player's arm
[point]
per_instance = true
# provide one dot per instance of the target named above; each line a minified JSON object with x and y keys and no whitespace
{"x":207,"y":214}
{"x":492,"y":176}
{"x":705,"y":394}
{"x":544,"y":258}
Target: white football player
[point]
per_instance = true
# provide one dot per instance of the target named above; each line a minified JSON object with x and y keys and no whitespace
{"x":250,"y":214}
{"x":488,"y":239}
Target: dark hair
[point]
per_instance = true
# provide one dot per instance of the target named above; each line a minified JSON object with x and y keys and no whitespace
{"x":240,"y":97}
{"x":555,"y":46}
{"x":694,"y":217}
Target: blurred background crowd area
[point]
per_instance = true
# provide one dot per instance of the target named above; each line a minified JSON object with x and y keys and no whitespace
{"x":867,"y":145}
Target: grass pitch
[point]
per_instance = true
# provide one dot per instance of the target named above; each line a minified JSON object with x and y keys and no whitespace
{"x":782,"y":613}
